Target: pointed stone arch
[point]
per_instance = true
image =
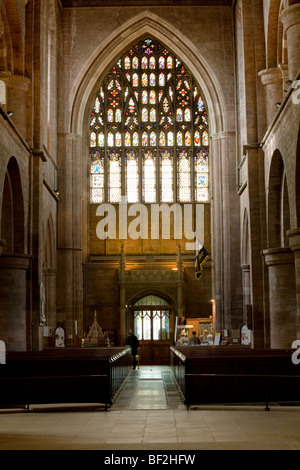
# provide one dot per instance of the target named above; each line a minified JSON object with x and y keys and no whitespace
{"x":12,"y":215}
{"x":145,"y":23}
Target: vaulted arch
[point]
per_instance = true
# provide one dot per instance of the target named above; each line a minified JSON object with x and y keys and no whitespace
{"x":146,"y":23}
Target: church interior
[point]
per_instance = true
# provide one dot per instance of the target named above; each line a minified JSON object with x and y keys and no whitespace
{"x":150,"y":181}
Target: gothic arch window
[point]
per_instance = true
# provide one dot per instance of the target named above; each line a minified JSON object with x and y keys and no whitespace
{"x":148,"y":134}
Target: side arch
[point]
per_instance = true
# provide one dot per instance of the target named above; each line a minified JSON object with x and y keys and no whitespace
{"x":12,"y":215}
{"x":278,"y":207}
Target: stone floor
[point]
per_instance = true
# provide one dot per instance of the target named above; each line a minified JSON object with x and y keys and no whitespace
{"x":149,"y":415}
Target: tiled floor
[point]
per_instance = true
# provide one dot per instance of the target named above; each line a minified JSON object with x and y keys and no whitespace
{"x":149,"y":415}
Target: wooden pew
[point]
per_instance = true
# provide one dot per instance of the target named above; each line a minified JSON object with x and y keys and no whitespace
{"x":63,"y":376}
{"x":225,"y":374}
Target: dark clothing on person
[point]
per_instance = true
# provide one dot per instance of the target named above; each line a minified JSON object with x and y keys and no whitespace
{"x":194,"y":340}
{"x":134,"y":344}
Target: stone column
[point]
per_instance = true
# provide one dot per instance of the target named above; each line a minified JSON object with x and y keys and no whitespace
{"x":282,"y":298}
{"x":294,"y":240}
{"x":123,"y":324}
{"x":69,"y":260}
{"x":290,"y":18}
{"x":13,"y":303}
{"x":49,"y":277}
{"x":272,"y":82}
{"x":246,"y":279}
{"x":180,"y":284}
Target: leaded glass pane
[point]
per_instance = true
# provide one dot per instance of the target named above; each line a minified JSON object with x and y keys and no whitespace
{"x":145,"y":139}
{"x":127,"y":139}
{"x":101,"y":139}
{"x":97,"y":178}
{"x":149,"y":177}
{"x":184,"y":177}
{"x":144,"y":79}
{"x":187,"y":114}
{"x":161,"y":79}
{"x":179,"y":138}
{"x":93,"y":139}
{"x":145,"y":114}
{"x":162,"y":139}
{"x":114,"y":177}
{"x":166,"y":177}
{"x":135,"y":63}
{"x":118,"y":139}
{"x":179,"y":115}
{"x":132,"y":177}
{"x":152,"y":62}
{"x":152,"y":79}
{"x":205,"y":138}
{"x":110,"y":139}
{"x":197,"y":139}
{"x":97,"y":105}
{"x":152,"y":97}
{"x":127,"y":62}
{"x":144,"y":96}
{"x":135,"y":139}
{"x":118,"y":115}
{"x":135,"y":80}
{"x":152,"y":115}
{"x":161,"y":62}
{"x":110,"y":115}
{"x":153,"y":139}
{"x":201,"y":176}
{"x":144,"y":62}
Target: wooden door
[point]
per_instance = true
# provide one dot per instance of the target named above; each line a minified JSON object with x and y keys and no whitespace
{"x":153,"y":326}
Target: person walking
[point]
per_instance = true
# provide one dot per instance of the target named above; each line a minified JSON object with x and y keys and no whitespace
{"x":134,"y":344}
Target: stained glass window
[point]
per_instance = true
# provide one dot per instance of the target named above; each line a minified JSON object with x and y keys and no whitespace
{"x":149,"y":122}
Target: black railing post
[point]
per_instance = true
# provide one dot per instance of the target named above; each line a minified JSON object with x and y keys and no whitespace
{"x":266,"y":394}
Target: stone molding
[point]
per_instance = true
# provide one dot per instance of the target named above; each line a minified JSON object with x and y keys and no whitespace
{"x":290,"y":16}
{"x":14,"y":261}
{"x":294,"y":238}
{"x":275,"y":256}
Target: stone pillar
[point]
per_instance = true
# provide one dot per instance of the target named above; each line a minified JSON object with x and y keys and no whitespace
{"x":294,"y":240}
{"x":290,"y":18}
{"x":123,"y":324}
{"x":225,"y":233}
{"x":246,"y":279}
{"x":272,"y":82}
{"x":13,"y":301}
{"x":282,"y":298}
{"x":49,"y":276}
{"x":69,"y":259}
{"x":180,"y":311}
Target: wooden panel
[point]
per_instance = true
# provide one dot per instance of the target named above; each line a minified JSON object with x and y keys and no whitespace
{"x":155,"y":352}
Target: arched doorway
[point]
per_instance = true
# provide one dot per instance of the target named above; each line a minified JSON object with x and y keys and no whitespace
{"x":151,"y":319}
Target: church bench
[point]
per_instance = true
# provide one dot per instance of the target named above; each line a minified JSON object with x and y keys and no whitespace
{"x":223,"y":374}
{"x":63,"y":376}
